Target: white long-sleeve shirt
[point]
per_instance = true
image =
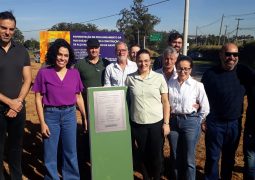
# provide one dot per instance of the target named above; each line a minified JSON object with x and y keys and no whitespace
{"x":115,"y":76}
{"x":183,"y":97}
{"x":174,"y":75}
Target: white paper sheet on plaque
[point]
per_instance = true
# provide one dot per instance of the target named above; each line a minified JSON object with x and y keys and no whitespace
{"x":110,"y":111}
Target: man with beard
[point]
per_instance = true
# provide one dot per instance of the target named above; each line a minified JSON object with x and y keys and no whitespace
{"x":222,"y":131}
{"x":15,"y":81}
{"x":175,"y":40}
{"x":116,"y":73}
{"x":91,"y":70}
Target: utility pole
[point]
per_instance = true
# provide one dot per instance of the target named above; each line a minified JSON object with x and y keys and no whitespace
{"x":225,"y":34}
{"x":186,"y":27}
{"x":206,"y":38}
{"x":144,"y":39}
{"x":237,"y":27}
{"x":196,"y":35}
{"x":138,"y":37}
{"x":220,"y":28}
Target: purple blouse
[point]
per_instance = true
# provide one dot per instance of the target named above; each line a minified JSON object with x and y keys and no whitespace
{"x":57,"y":92}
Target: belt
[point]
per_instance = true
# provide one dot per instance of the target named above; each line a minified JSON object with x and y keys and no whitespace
{"x":59,"y":107}
{"x":174,"y":115}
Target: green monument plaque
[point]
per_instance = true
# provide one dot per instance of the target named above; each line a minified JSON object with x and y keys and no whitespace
{"x":110,"y":137}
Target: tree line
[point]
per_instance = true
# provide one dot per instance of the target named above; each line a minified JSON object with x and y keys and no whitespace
{"x":137,"y":24}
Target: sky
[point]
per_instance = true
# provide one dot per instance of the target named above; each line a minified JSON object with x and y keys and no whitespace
{"x":205,"y":16}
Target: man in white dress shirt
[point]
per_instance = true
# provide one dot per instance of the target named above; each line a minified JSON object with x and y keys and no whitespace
{"x":170,"y":56}
{"x":168,"y":69}
{"x":116,"y":73}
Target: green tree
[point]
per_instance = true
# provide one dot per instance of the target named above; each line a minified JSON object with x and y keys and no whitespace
{"x":247,"y":53}
{"x":32,"y":44}
{"x":107,"y":30}
{"x":136,"y":21}
{"x":18,"y":36}
{"x":74,"y":27}
{"x":161,"y":45}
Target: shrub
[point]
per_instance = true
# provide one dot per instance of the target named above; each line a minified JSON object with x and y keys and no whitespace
{"x":247,"y":54}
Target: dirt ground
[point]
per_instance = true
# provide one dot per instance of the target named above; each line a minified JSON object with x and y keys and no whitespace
{"x":33,"y":154}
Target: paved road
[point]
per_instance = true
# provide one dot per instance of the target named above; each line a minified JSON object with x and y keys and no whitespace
{"x":199,"y":69}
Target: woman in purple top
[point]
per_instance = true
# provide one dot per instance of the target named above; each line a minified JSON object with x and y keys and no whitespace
{"x":57,"y":89}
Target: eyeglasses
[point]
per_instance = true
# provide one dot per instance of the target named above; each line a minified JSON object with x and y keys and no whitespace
{"x":183,"y":69}
{"x":228,"y":54}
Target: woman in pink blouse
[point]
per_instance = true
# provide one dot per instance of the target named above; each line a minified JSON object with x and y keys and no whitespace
{"x":57,"y":91}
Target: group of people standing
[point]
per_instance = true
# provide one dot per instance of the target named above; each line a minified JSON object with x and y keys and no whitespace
{"x":164,"y":101}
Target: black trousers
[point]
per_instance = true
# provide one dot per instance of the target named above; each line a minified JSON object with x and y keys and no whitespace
{"x":147,"y":142}
{"x":13,"y":128}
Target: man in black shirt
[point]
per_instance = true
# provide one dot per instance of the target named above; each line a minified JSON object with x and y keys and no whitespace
{"x":225,"y":94}
{"x":15,"y":81}
{"x":249,"y":137}
{"x":246,"y":77}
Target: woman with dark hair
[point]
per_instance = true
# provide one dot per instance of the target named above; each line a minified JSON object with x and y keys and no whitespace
{"x":149,"y":114}
{"x":186,"y":118}
{"x":57,"y":89}
{"x":53,"y":51}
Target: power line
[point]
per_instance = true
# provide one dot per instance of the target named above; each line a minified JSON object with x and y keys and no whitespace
{"x":233,"y":15}
{"x":212,"y":23}
{"x":227,"y":16}
{"x":250,"y":18}
{"x":239,"y":15}
{"x":231,"y":32}
{"x":104,"y":17}
{"x":117,"y":14}
{"x":156,"y":3}
{"x":100,"y":18}
{"x":201,"y":31}
{"x":237,"y":27}
{"x":247,"y":28}
{"x":252,"y":30}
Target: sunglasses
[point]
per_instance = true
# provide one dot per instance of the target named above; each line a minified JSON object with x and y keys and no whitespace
{"x":228,"y":54}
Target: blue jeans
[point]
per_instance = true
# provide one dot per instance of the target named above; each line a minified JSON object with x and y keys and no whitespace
{"x":185,"y":130}
{"x":221,"y":138}
{"x":15,"y":129}
{"x":249,"y":155}
{"x":62,"y":124}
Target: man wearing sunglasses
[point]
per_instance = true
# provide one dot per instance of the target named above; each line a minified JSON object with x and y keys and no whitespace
{"x":225,"y":88}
